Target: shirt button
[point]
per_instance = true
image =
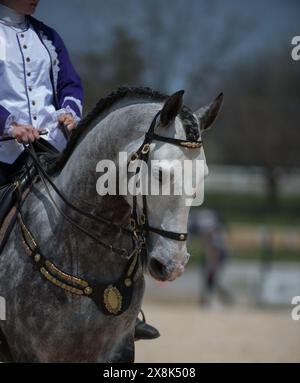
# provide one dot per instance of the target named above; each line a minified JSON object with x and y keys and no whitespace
{"x":25,"y":46}
{"x":33,"y":103}
{"x":35,"y":118}
{"x":28,"y":59}
{"x":22,"y":35}
{"x":30,"y":89}
{"x":28,"y":74}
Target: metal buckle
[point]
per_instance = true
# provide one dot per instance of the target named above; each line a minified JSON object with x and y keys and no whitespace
{"x":132,"y":224}
{"x":134,"y":157}
{"x":16,"y":185}
{"x":146,"y":149}
{"x":143,"y":219}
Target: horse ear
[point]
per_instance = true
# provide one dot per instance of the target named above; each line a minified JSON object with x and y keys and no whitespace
{"x":208,"y":114}
{"x":171,"y":108}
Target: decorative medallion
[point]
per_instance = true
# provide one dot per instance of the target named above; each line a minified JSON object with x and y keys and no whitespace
{"x":112,"y":299}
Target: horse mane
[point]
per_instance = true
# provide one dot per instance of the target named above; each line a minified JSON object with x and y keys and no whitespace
{"x":146,"y":93}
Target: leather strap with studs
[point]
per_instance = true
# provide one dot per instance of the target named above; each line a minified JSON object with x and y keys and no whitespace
{"x":111,"y":299}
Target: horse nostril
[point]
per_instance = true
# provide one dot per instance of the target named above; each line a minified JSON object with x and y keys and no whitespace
{"x":157,"y":267}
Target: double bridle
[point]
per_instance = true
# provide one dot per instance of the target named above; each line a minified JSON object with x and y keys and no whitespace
{"x":142,"y":225}
{"x":113,"y":298}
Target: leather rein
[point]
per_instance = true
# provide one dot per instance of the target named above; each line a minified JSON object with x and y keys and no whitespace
{"x":113,"y":298}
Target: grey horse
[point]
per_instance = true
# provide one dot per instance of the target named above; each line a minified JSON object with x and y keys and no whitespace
{"x":47,"y":324}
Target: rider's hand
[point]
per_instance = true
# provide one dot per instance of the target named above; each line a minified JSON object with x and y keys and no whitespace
{"x":67,"y":120}
{"x":25,"y":133}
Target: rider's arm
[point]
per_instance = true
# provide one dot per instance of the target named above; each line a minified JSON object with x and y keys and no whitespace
{"x":69,"y":86}
{"x":5,"y":121}
{"x":22,"y":133}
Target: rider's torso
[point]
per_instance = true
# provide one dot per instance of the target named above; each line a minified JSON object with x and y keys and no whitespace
{"x":26,"y":87}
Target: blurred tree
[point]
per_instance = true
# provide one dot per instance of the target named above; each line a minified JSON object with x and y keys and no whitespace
{"x":120,"y":64}
{"x":164,"y":40}
{"x":206,"y":47}
{"x":188,"y":44}
{"x":124,"y":59}
{"x":259,"y":124}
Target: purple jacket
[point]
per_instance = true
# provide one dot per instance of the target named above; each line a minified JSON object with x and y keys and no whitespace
{"x":67,"y":87}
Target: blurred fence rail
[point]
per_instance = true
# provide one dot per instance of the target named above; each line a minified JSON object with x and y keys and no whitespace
{"x":247,"y":179}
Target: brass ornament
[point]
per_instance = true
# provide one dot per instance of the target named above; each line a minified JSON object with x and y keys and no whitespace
{"x":128,"y":282}
{"x":27,"y":249}
{"x":16,"y":185}
{"x":112,"y":299}
{"x":133,"y":263}
{"x":68,"y":278}
{"x":182,"y":237}
{"x":146,"y":149}
{"x":88,"y":290}
{"x":134,"y":157}
{"x":191,"y":145}
{"x":27,"y":235}
{"x":60,"y":284}
{"x":143,"y":219}
{"x":132,"y":224}
{"x":37,"y":258}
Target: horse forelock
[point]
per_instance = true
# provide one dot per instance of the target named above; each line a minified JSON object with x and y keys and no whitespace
{"x":190,"y":123}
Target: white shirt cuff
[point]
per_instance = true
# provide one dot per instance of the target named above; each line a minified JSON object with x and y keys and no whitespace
{"x":8,"y":129}
{"x":66,"y":110}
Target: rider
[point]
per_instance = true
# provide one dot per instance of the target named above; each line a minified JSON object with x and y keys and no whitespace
{"x":39,"y":89}
{"x":39,"y":86}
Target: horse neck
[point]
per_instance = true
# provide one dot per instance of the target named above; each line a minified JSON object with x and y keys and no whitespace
{"x":78,"y":182}
{"x":120,"y":131}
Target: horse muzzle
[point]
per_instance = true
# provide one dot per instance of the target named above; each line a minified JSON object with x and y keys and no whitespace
{"x":165,"y":273}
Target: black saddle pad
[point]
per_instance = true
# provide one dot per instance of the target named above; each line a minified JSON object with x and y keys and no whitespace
{"x":10,"y":195}
{"x":7,"y":198}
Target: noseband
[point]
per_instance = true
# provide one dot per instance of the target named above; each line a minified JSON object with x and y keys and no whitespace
{"x":142,"y":226}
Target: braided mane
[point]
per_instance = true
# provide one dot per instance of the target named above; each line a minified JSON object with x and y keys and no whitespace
{"x":143,"y":93}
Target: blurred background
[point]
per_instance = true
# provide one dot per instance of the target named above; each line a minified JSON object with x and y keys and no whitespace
{"x":234,"y":302}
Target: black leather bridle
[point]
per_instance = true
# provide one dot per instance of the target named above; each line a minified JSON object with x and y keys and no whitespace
{"x":141,"y":226}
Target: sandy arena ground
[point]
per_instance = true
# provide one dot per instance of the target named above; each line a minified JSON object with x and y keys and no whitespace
{"x":238,"y":334}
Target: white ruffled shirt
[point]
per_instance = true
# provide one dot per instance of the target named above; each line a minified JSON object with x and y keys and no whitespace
{"x":26,"y":89}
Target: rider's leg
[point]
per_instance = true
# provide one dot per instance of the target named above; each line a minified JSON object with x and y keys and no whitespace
{"x":5,"y":355}
{"x":144,"y":330}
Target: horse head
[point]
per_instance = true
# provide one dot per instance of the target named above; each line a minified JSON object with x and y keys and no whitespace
{"x":167,"y":161}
